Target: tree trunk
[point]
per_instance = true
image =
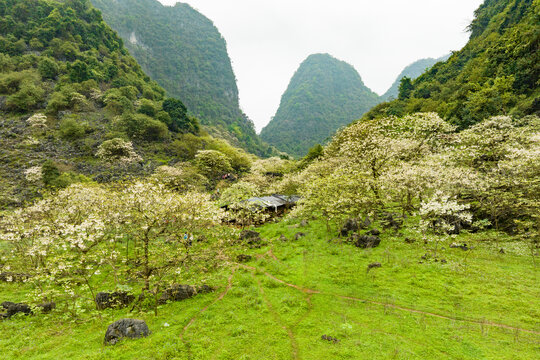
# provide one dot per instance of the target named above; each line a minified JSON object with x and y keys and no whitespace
{"x":146,"y":265}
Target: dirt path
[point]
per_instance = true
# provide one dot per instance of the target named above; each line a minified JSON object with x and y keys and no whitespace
{"x":308,"y":312}
{"x":398,"y":307}
{"x":269,"y":254}
{"x":219,"y":298}
{"x":274,"y":257}
{"x":277,"y":319}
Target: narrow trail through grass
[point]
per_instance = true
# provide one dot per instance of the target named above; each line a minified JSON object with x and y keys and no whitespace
{"x":277,"y":319}
{"x":219,"y":298}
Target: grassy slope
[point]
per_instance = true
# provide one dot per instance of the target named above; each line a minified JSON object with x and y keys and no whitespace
{"x":466,"y":303}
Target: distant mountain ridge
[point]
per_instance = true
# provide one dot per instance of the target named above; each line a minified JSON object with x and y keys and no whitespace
{"x":323,"y":95}
{"x":184,"y":52}
{"x":412,"y":71}
{"x":496,"y":73}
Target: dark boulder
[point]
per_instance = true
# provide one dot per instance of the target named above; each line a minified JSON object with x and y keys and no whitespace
{"x":251,"y":238}
{"x":247,"y":235}
{"x":204,"y":289}
{"x":182,"y":292}
{"x":47,"y":307}
{"x":126,"y":328}
{"x":373,"y":266}
{"x":366,"y":241}
{"x":329,"y":338}
{"x":463,"y":247}
{"x":178,"y":293}
{"x":242,"y":258}
{"x":367,"y":222}
{"x":15,"y":308}
{"x":299,"y":235}
{"x":351,"y":225}
{"x":394,"y":221}
{"x":374,"y":232}
{"x":118,"y":299}
{"x":283,"y":238}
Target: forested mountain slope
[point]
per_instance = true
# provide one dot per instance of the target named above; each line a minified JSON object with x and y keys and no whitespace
{"x":497,"y":72}
{"x":75,"y":106}
{"x":323,"y":95}
{"x":184,"y":52}
{"x":411,"y":71}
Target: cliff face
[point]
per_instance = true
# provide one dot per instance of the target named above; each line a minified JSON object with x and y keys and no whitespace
{"x":184,"y":52}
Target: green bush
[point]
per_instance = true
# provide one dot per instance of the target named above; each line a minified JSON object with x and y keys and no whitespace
{"x":67,"y":178}
{"x":11,"y":82}
{"x":70,"y":129}
{"x":155,"y":130}
{"x":117,"y":103}
{"x":48,"y":69}
{"x":143,"y":127}
{"x":50,"y":172}
{"x":147,"y":107}
{"x":57,"y":102}
{"x":213,"y":164}
{"x":187,"y":146}
{"x":239,"y":160}
{"x":27,"y":98}
{"x":6,"y":64}
{"x":35,"y":44}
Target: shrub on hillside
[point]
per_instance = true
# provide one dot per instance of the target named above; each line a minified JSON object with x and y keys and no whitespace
{"x":143,"y":127}
{"x":71,"y":129}
{"x":117,"y":150}
{"x":213,"y":164}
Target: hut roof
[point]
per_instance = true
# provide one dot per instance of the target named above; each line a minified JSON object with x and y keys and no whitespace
{"x":274,"y":201}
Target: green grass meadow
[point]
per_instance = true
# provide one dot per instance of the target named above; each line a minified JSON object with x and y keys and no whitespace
{"x":480,"y":304}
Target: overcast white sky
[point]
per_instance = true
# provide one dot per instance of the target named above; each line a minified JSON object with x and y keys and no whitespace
{"x":268,"y":39}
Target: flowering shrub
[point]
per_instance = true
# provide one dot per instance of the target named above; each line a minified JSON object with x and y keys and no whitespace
{"x":441,"y":215}
{"x":117,"y":150}
{"x":37,"y":121}
{"x":33,"y":174}
{"x":182,"y":177}
{"x":67,"y":242}
{"x":400,"y":162}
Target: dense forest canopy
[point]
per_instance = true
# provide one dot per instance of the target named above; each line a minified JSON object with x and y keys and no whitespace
{"x":184,"y":52}
{"x":323,"y":95}
{"x":497,"y":72}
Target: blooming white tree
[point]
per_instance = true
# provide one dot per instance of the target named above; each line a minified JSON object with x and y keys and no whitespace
{"x":118,"y":150}
{"x":37,"y":120}
{"x":441,"y":216}
{"x":122,"y":231}
{"x":33,"y":174}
